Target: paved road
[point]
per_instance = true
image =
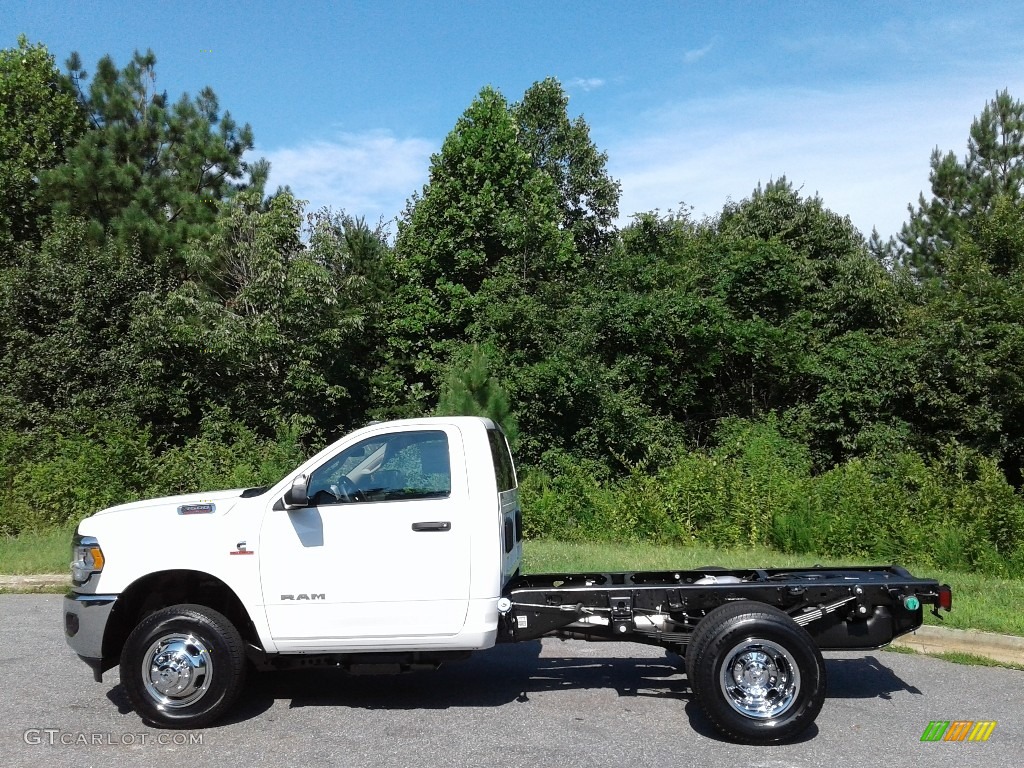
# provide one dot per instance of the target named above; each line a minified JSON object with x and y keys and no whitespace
{"x":536,"y":704}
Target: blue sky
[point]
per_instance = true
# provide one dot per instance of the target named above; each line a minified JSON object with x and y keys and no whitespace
{"x":693,"y":102}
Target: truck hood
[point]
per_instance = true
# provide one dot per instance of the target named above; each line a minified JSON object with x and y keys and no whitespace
{"x":223,"y":501}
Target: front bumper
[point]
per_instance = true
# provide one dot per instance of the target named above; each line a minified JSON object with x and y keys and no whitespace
{"x":85,"y":620}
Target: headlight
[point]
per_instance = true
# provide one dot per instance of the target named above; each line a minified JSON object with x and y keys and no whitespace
{"x":86,"y":558}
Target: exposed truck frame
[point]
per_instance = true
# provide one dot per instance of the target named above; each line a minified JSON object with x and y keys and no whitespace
{"x":751,"y":639}
{"x":850,"y":608}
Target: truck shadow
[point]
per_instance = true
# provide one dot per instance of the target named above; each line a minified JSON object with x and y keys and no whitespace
{"x":503,"y":675}
{"x":512,"y":674}
{"x":864,"y":678}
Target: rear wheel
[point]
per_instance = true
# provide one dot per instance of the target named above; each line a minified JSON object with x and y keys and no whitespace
{"x":183,"y":666}
{"x":759,"y":677}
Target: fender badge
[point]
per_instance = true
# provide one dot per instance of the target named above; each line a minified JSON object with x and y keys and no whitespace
{"x":241,"y":550}
{"x":197,"y":509}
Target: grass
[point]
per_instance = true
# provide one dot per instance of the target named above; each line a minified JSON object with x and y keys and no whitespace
{"x":36,"y":589}
{"x":979,"y":602}
{"x":909,"y":651}
{"x":978,"y":661}
{"x":956,"y":657}
{"x":47,"y":551}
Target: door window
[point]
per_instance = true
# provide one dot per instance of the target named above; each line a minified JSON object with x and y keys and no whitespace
{"x":392,"y":467}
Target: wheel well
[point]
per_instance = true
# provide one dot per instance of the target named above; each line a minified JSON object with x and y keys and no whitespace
{"x":165,"y":588}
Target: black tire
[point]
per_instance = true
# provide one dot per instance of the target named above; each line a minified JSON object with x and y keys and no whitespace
{"x":698,"y":639}
{"x":701,"y":635}
{"x":784,"y":686}
{"x":183,"y":666}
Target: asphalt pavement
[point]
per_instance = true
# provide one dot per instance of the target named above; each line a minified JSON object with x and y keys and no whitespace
{"x":544,"y":703}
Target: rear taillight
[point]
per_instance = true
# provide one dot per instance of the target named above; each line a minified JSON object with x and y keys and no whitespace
{"x":946,"y":597}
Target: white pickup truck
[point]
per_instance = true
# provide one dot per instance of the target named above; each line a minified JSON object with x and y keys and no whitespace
{"x":399,"y":547}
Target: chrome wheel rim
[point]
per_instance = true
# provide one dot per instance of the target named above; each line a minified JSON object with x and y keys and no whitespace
{"x":177,"y":670}
{"x":760,"y":679}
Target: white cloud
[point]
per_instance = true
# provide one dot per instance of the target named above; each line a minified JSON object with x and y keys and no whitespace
{"x":586,"y":83}
{"x":366,"y":174}
{"x":864,"y":151}
{"x":697,"y":54}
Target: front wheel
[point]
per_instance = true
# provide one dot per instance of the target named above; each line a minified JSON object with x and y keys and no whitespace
{"x":759,"y":676}
{"x":183,"y":666}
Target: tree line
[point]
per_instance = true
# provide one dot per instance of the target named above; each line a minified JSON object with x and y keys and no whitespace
{"x":164,"y":319}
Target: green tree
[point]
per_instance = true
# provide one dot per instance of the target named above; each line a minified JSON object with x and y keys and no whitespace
{"x":657,"y":329}
{"x":483,"y":236}
{"x":965,"y":336}
{"x":39,"y":120}
{"x":962,"y":191}
{"x":840,"y":368}
{"x":562,"y":148}
{"x":829,"y":272}
{"x":969,"y":376}
{"x":767,"y":308}
{"x":266,"y":329}
{"x":148,"y":169}
{"x":361,"y":264}
{"x":485,"y":209}
{"x":67,"y":308}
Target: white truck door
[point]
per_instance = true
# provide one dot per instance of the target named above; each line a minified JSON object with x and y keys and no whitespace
{"x":382,"y":550}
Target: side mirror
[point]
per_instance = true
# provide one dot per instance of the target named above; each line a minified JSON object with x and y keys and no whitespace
{"x":298,"y":494}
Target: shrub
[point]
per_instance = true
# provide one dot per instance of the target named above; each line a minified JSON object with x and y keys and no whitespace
{"x":225,"y":455}
{"x":559,"y":498}
{"x":49,"y":479}
{"x":757,"y":488}
{"x":59,"y":478}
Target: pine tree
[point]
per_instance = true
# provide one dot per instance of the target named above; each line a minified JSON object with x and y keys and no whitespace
{"x":470,"y":390}
{"x":962,"y":192}
{"x":148,"y":170}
